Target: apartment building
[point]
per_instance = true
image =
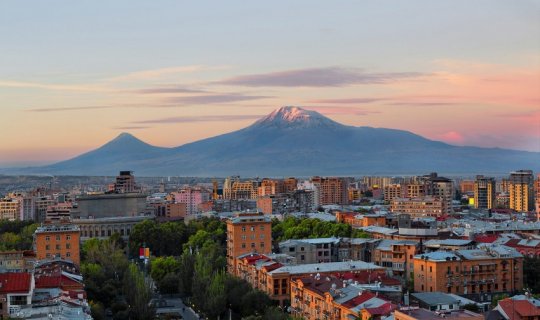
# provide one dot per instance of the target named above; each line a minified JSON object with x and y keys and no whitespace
{"x":419,"y":207}
{"x":58,"y":240}
{"x":476,"y":274}
{"x":521,"y":191}
{"x":249,"y":232}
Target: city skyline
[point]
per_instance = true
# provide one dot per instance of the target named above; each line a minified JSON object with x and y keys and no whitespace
{"x":170,"y":73}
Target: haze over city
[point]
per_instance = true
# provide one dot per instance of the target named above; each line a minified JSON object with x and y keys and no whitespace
{"x":74,"y":75}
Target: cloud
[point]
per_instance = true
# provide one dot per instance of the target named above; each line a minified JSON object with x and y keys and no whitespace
{"x":158,"y":73}
{"x":348,"y":100}
{"x":68,"y":109}
{"x":211,"y":118}
{"x":317,"y":77}
{"x":52,"y":86}
{"x":452,"y":137}
{"x":213,"y":98}
{"x":168,"y":89}
{"x":131,"y":128}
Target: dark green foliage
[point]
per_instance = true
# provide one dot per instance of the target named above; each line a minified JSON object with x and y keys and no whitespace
{"x":138,"y":292}
{"x":295,"y":228}
{"x":16,"y":235}
{"x":531,"y":276}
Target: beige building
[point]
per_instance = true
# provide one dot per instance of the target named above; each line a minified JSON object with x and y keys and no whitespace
{"x":10,"y":209}
{"x":392,"y":191}
{"x":419,"y":207}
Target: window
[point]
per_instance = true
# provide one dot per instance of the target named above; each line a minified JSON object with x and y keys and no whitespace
{"x":457,"y":269}
{"x":422,"y":269}
{"x":58,"y":237}
{"x":253,"y":244}
{"x":68,"y":246}
{"x":244,"y":237}
{"x":243,"y":245}
{"x":47,"y":247}
{"x":252,"y":228}
{"x":68,"y":254}
{"x":57,"y":247}
{"x":291,"y":249}
{"x":302,"y":257}
{"x":430,"y":269}
{"x":301,"y":248}
{"x":48,"y":255}
{"x":262,"y":236}
{"x":262,"y":227}
{"x":243,"y":228}
{"x":47,"y":238}
{"x":449,"y":289}
{"x":262,"y":244}
{"x":68,"y":237}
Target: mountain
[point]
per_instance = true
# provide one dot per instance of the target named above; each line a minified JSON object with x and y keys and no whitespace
{"x":294,"y":141}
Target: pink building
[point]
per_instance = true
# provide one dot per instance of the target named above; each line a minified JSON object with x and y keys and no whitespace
{"x":192,"y":197}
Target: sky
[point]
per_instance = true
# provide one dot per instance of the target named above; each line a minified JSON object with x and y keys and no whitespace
{"x":75,"y":74}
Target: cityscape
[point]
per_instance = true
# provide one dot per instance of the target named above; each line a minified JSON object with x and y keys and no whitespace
{"x":270,"y":161}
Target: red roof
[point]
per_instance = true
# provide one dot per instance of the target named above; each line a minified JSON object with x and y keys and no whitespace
{"x":486,"y":238}
{"x":56,"y":281}
{"x":384,"y":309}
{"x":15,"y":282}
{"x":365,"y":296}
{"x":517,"y":309}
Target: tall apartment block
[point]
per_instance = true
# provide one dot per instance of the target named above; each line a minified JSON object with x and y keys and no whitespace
{"x":332,"y":190}
{"x":484,"y":192}
{"x":249,"y":232}
{"x":521,"y":190}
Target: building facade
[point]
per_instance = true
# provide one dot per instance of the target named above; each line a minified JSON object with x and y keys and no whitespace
{"x":484,"y":193}
{"x":58,"y":240}
{"x":247,"y":233}
{"x":521,"y":190}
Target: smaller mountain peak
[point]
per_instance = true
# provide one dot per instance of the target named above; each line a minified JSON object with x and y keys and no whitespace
{"x":124,"y":135}
{"x":292,"y":116}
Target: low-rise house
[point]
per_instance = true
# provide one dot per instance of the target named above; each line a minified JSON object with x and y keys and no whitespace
{"x":327,"y":297}
{"x":15,"y":291}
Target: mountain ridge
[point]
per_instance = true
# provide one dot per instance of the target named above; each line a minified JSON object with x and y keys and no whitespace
{"x":293,"y":141}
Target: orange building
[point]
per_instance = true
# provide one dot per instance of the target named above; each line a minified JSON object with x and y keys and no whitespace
{"x":264,"y":204}
{"x":58,"y":240}
{"x":396,"y":255}
{"x":270,"y":187}
{"x":361,"y":220}
{"x":321,"y":297}
{"x":332,"y":190}
{"x":247,"y":233}
{"x":267,"y":274}
{"x":475,"y":273}
{"x":290,"y":184}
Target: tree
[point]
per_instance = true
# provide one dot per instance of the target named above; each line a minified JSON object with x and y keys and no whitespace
{"x":216,"y":303}
{"x":531,"y":277}
{"x":138,"y":294}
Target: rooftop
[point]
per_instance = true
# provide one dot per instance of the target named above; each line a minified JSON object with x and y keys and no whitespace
{"x":327,"y":267}
{"x":15,"y":282}
{"x":434,"y":298}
